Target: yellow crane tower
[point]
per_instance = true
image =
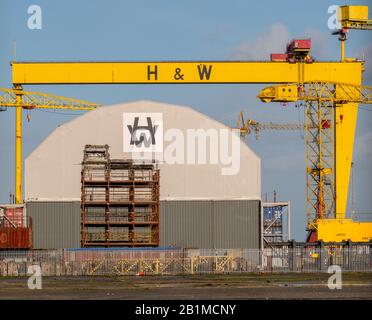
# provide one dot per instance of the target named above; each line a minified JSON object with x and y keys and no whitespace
{"x":321,"y":100}
{"x":332,"y":95}
{"x":20,"y":100}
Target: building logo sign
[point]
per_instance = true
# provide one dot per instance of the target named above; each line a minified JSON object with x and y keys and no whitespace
{"x":142,"y":132}
{"x":145,"y":138}
{"x":142,"y":139}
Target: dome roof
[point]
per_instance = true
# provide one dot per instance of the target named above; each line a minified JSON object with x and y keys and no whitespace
{"x":52,"y":170}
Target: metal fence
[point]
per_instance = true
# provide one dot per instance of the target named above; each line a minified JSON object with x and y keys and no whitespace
{"x":158,"y":261}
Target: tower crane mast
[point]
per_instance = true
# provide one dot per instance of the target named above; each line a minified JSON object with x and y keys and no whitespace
{"x":19,"y":99}
{"x":321,"y":100}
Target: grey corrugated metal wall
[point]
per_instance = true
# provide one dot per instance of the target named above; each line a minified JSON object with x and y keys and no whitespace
{"x":196,"y":223}
{"x":186,"y":224}
{"x":55,"y":224}
{"x":210,"y":224}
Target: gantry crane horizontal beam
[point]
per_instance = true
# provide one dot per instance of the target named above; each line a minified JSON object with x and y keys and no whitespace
{"x":25,"y":73}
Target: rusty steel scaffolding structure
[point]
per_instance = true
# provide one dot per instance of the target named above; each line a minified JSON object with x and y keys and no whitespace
{"x":119,"y":201}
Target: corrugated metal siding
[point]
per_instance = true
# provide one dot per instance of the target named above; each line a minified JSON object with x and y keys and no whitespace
{"x":55,"y":224}
{"x":197,"y":223}
{"x":210,"y":224}
{"x":186,"y":223}
{"x":236,"y":224}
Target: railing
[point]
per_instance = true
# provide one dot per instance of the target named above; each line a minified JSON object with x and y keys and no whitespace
{"x":158,"y":261}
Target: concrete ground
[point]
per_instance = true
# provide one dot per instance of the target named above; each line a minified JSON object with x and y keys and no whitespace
{"x":237,"y":286}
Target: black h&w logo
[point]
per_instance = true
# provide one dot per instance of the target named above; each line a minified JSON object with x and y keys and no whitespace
{"x":147,"y":140}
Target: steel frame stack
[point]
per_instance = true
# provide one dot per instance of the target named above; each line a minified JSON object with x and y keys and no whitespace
{"x":119,"y":201}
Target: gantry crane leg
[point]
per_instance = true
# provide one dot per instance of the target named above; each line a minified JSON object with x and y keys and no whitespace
{"x":18,"y":146}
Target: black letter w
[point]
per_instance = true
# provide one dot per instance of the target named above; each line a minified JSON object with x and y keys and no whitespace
{"x":203,"y":71}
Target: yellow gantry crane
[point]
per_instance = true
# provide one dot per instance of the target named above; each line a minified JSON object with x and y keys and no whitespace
{"x":331,"y":90}
{"x":249,"y":126}
{"x":322,"y":100}
{"x":20,"y":100}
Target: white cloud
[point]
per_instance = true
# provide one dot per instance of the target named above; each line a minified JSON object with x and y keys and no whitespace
{"x":320,"y":43}
{"x":273,"y":40}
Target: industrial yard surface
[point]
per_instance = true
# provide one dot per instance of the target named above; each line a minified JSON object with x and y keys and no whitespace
{"x":251,"y":286}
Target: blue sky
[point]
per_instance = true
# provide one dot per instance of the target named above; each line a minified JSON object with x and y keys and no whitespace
{"x":183,"y":30}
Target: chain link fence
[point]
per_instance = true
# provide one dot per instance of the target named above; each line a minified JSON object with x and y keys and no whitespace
{"x":158,"y":261}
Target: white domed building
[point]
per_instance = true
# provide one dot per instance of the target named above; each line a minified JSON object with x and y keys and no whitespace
{"x":210,"y":180}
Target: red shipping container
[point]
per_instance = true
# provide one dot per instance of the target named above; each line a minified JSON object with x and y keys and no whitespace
{"x":303,"y":44}
{"x":299,"y":44}
{"x":15,"y":238}
{"x":279,"y":57}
